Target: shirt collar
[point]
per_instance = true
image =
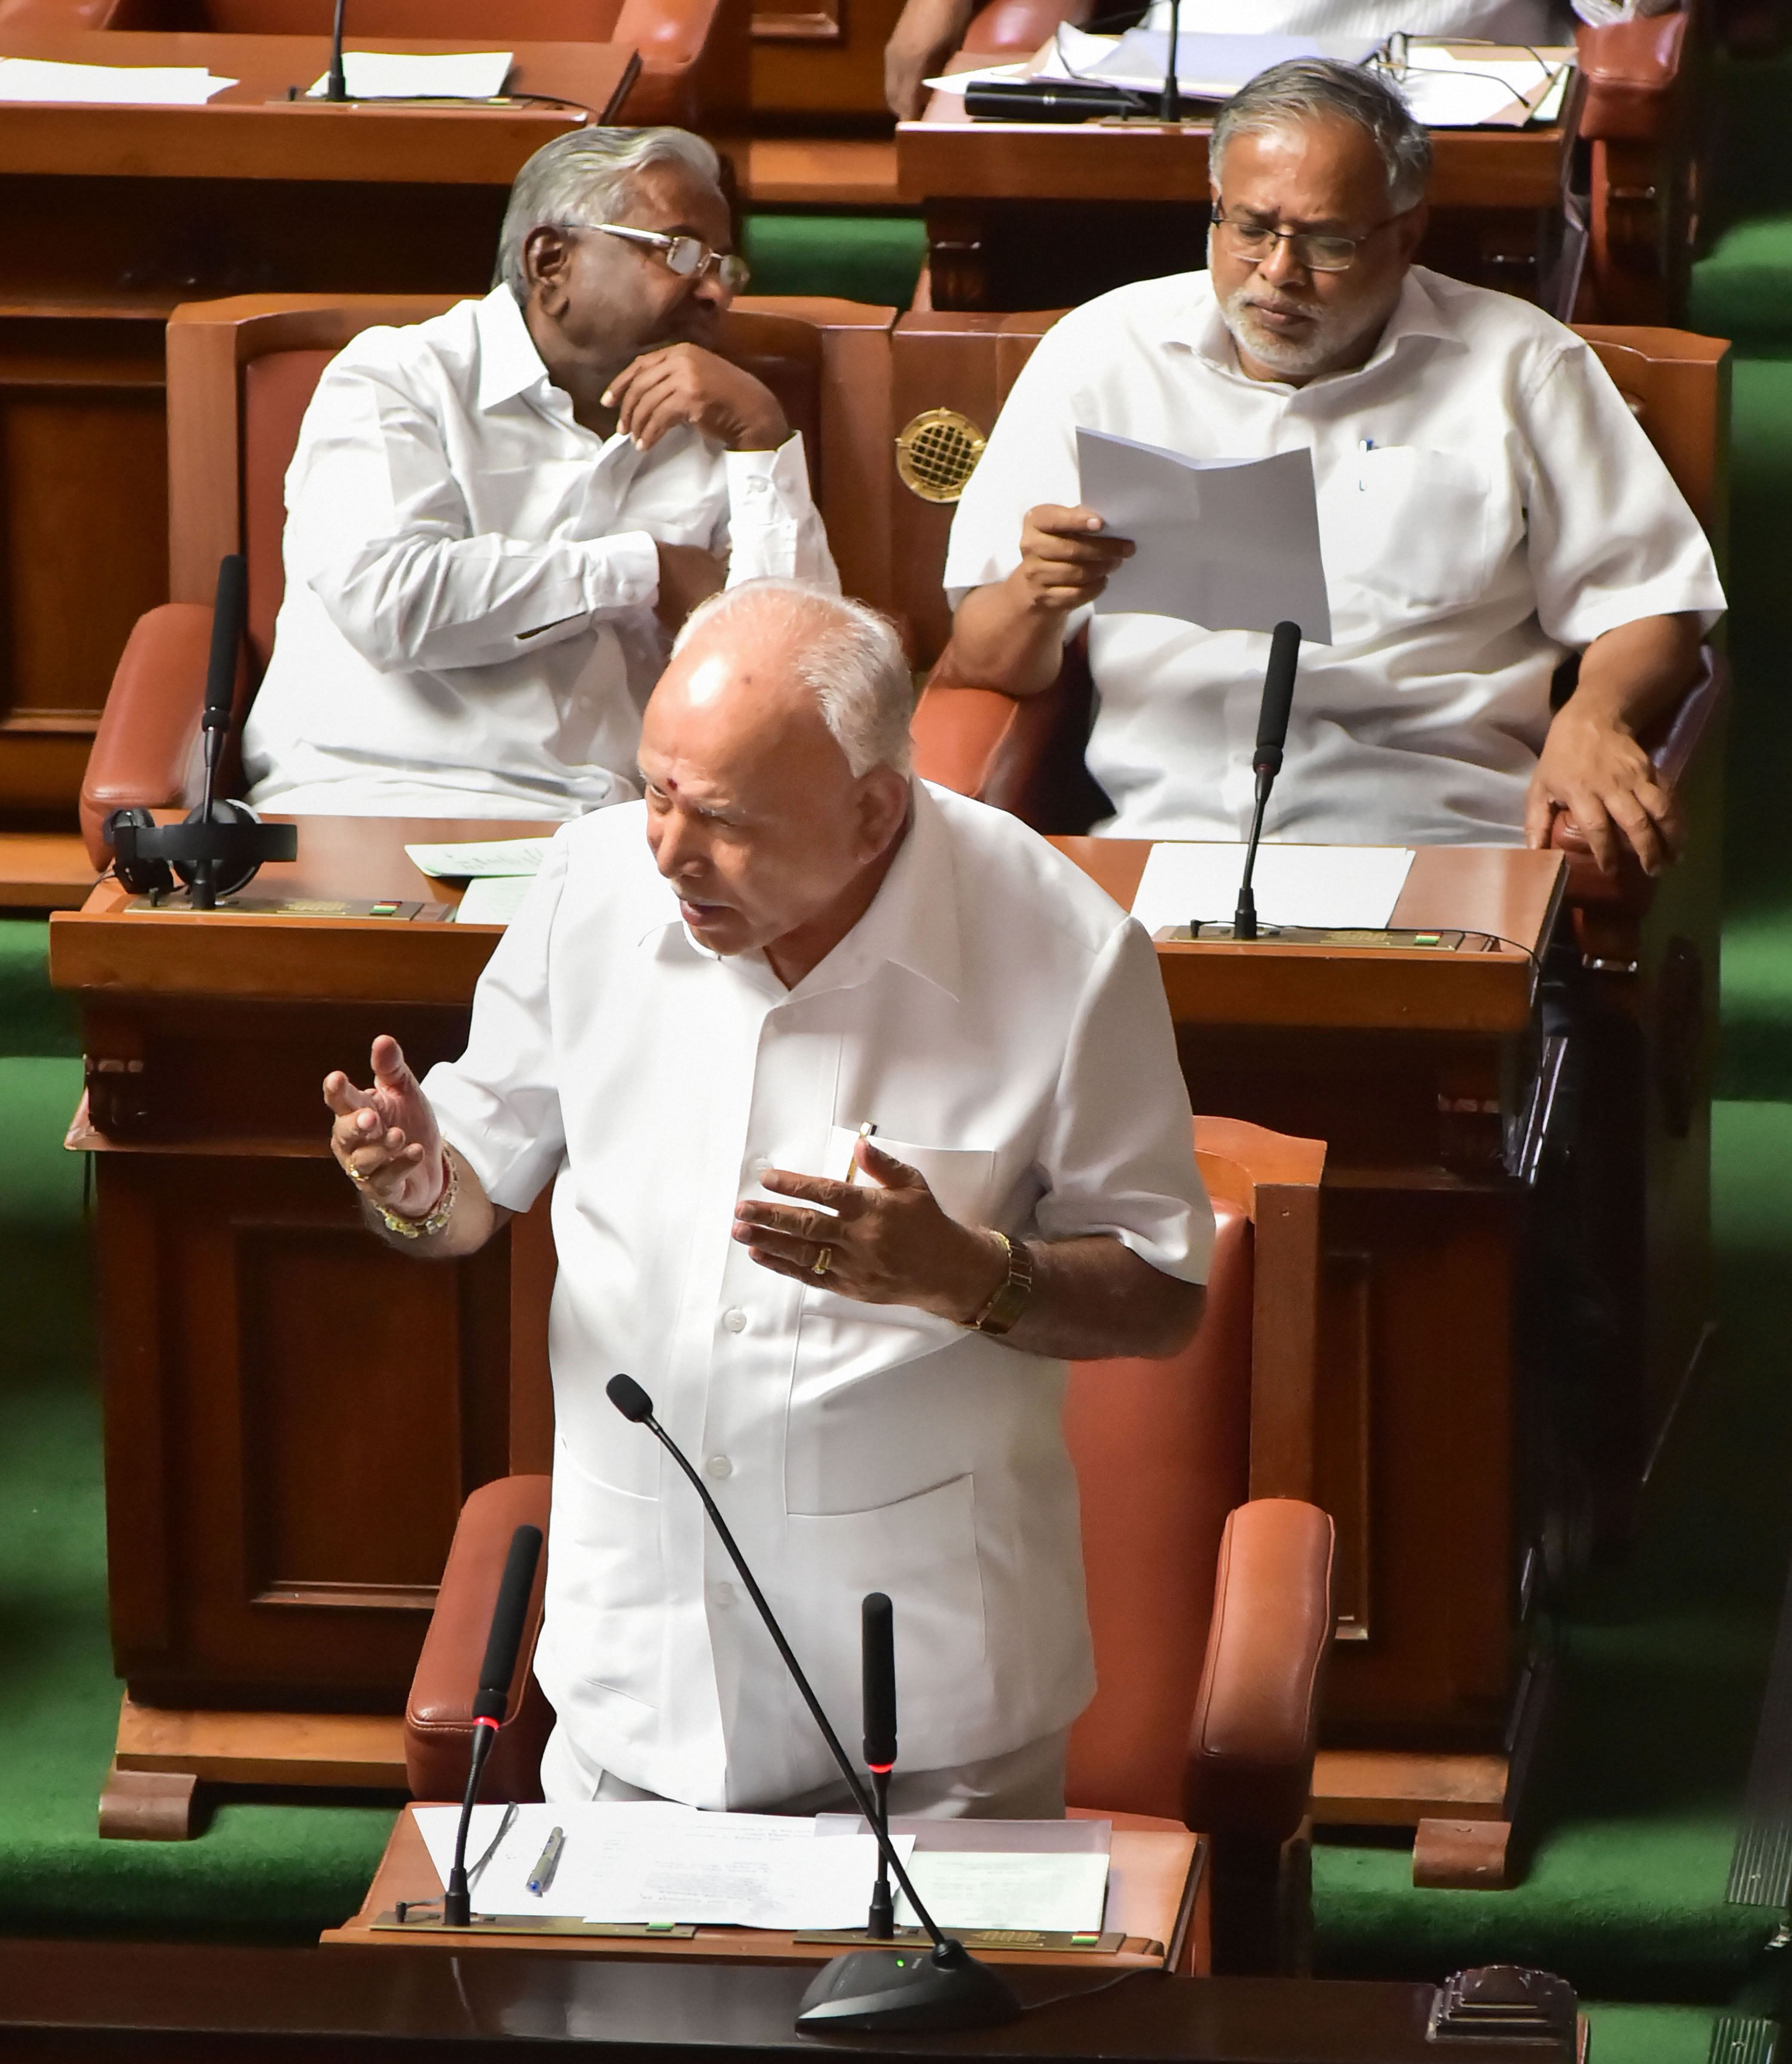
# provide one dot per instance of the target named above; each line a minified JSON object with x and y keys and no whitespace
{"x":1201,"y":328}
{"x":508,"y":363}
{"x":912,"y":922}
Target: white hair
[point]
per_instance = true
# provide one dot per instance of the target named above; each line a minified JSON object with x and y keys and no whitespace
{"x":586,"y":176}
{"x":848,"y":654}
{"x":1320,"y":89}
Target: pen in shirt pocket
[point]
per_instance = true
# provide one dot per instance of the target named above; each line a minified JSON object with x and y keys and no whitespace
{"x":852,"y":1168}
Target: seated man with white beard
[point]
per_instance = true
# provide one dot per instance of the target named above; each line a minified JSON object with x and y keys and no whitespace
{"x":1488,"y":508}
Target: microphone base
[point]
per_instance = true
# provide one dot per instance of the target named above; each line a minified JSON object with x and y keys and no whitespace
{"x":895,"y":1990}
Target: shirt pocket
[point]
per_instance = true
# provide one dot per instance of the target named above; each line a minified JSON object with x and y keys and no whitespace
{"x":961,"y":1177}
{"x":1408,"y":526}
{"x":606,"y":1583}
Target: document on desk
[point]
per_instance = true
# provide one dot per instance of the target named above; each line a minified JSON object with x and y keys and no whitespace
{"x":655,"y":1861}
{"x":472,"y":859}
{"x":1332,"y":888}
{"x":1208,"y":68}
{"x":1064,"y":1894}
{"x":407,"y":75}
{"x":152,"y":86}
{"x":493,"y":899}
{"x":1484,"y":86}
{"x":1227,"y":544}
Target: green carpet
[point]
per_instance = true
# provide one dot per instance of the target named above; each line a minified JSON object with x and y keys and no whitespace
{"x":34,"y":1018}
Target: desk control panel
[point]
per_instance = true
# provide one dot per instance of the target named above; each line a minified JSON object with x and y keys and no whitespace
{"x":1302,"y":935}
{"x":397,"y":909}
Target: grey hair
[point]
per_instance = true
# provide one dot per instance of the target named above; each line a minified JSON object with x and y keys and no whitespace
{"x":848,"y":654}
{"x":1305,"y":89}
{"x":586,"y":176}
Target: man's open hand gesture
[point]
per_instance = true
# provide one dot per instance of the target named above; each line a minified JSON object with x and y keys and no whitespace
{"x":386,"y":1137}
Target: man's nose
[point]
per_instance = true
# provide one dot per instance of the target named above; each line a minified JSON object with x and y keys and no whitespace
{"x":710,"y":291}
{"x":1281,"y":265}
{"x":675,"y":851}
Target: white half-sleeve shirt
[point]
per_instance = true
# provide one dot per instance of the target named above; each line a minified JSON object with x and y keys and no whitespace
{"x":1003,"y":1024}
{"x":468,"y":626}
{"x":1487,"y":504}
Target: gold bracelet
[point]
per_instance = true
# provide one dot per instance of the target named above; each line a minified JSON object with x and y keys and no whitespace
{"x":1011,"y":1295}
{"x":408,"y":1228}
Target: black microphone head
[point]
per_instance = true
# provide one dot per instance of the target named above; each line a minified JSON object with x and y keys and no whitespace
{"x":507,"y":1615}
{"x":230,"y":612}
{"x":630,"y":1399}
{"x":1278,"y":695}
{"x":878,"y":1631}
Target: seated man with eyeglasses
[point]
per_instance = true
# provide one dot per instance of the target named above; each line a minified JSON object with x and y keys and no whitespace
{"x":497,"y":520}
{"x":1488,"y":508}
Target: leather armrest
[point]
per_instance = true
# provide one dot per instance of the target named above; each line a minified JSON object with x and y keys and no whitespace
{"x":958,"y":734}
{"x":438,"y":1714}
{"x":144,"y":745}
{"x":1018,"y":27}
{"x":1632,"y":69}
{"x":1673,"y":744}
{"x":1250,"y":1754}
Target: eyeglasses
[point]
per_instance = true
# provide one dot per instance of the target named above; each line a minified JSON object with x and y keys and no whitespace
{"x":1317,"y":251}
{"x":688,"y":256}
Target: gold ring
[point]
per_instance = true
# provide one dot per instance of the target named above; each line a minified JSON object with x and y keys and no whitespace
{"x":823,"y":1262}
{"x":354,"y":1174}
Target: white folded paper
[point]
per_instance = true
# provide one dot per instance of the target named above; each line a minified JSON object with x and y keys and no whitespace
{"x":1229,"y":544}
{"x":475,"y":857}
{"x":1332,"y":888}
{"x":153,"y":86}
{"x":966,"y":1889}
{"x":493,"y":899}
{"x":405,"y":75}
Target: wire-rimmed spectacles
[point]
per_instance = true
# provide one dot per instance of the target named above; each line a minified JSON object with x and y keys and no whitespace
{"x":688,"y":256}
{"x":1316,"y":250}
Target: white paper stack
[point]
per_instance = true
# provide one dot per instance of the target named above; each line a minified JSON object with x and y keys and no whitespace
{"x":665,"y":1863}
{"x":473,"y":859}
{"x":404,"y":76}
{"x":154,"y":86}
{"x":1332,"y":888}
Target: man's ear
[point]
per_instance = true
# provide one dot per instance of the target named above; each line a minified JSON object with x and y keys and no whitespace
{"x":882,"y":808}
{"x":1411,"y":232}
{"x":547,"y":258}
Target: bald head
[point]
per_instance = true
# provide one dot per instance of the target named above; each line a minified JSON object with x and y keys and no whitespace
{"x":756,"y":813}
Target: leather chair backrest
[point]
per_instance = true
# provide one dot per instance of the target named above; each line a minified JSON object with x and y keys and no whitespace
{"x":276,"y":390}
{"x":514,"y":21}
{"x":1677,"y":384}
{"x":1161,"y":1450}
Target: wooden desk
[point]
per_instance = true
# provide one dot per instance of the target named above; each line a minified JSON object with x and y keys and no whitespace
{"x":174,"y":2001}
{"x":113,"y":216}
{"x":284,"y":1464}
{"x":1152,"y":1881}
{"x":1045,"y":215}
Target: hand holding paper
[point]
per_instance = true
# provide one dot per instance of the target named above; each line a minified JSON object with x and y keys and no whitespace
{"x":1229,"y":544}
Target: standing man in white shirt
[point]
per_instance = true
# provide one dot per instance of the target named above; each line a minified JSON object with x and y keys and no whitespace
{"x":865,"y":1112}
{"x":497,"y":519}
{"x":1487,"y":507}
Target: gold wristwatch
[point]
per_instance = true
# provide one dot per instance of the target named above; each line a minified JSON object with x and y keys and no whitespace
{"x":1012,"y":1296}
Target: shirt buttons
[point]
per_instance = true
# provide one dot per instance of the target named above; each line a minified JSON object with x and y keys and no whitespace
{"x":736,"y":1320}
{"x":724,"y":1595}
{"x":761,"y":1165}
{"x":719,"y":1466}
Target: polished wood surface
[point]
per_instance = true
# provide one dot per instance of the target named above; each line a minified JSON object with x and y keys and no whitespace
{"x":172,"y":2001}
{"x":1152,"y":1881}
{"x":818,"y":65}
{"x":44,"y":870}
{"x":822,"y":172}
{"x":114,"y":215}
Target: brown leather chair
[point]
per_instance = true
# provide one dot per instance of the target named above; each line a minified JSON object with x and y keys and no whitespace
{"x":694,"y":53}
{"x":240,"y":374}
{"x":1211,"y":1611}
{"x":1642,"y":114}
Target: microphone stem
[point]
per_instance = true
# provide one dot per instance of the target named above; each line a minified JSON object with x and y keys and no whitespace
{"x":1171,"y":109}
{"x":881,"y":1925}
{"x":1244,"y":918}
{"x":337,"y":89}
{"x":854,"y":1784}
{"x":456,"y":1905}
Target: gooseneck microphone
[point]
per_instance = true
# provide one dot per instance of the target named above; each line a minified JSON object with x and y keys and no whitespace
{"x":1272,"y":735}
{"x":1169,"y":108}
{"x":335,"y":86}
{"x":877,"y":1665}
{"x":229,"y":615}
{"x":866,"y":1988}
{"x":490,"y":1700}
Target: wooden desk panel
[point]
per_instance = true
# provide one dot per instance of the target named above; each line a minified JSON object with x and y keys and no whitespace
{"x":1152,"y":1882}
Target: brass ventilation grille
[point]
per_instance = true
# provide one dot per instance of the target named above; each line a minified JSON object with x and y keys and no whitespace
{"x":937,"y":453}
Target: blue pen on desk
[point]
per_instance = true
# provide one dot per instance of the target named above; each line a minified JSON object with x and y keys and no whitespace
{"x":547,"y":1863}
